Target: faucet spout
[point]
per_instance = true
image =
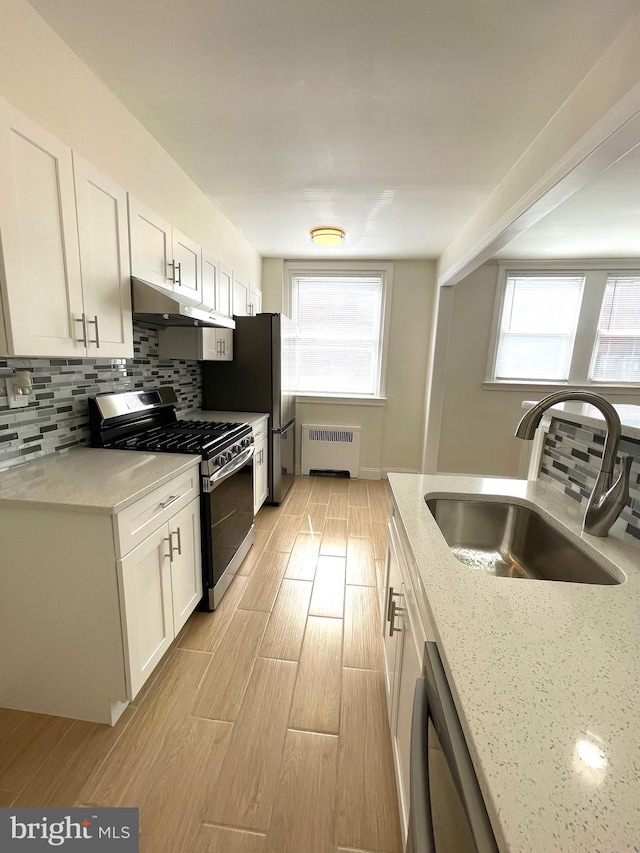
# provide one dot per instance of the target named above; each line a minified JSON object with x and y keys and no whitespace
{"x":607,"y":498}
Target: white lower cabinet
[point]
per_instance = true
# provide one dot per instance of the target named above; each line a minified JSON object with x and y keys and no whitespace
{"x":404,"y":639}
{"x":260,"y":464}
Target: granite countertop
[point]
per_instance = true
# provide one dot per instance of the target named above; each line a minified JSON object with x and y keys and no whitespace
{"x":583,"y":413}
{"x":250,"y":418}
{"x":545,"y":676}
{"x":88,"y":479}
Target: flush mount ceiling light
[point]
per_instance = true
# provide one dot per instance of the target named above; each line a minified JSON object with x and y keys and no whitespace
{"x":327,"y":236}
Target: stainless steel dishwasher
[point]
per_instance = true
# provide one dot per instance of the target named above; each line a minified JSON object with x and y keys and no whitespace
{"x":446,"y":812}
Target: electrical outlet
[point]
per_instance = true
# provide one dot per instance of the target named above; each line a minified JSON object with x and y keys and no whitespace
{"x":15,"y":401}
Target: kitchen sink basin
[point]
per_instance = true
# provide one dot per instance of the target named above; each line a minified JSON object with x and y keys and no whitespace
{"x":512,"y":541}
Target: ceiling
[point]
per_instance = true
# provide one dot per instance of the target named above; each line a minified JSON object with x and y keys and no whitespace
{"x":391,"y":120}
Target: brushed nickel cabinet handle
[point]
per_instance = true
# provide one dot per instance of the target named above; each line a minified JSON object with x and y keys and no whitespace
{"x":173,"y":271}
{"x":95,"y":323}
{"x":173,"y":548}
{"x":392,"y":621}
{"x":170,"y":500}
{"x":170,"y":554}
{"x":83,"y":320}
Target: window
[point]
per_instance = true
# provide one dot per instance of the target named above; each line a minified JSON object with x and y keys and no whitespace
{"x":572,"y":326}
{"x":340,"y":321}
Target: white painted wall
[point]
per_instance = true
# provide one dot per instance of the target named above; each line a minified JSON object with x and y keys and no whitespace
{"x":477,"y":427}
{"x":44,"y":79}
{"x":392,"y":434}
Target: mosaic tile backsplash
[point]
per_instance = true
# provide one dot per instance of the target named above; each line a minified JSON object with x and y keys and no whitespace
{"x":571,"y":460}
{"x":57,"y":416}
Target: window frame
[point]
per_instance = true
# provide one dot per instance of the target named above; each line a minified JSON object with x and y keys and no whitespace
{"x":293,"y":269}
{"x":596,"y":273}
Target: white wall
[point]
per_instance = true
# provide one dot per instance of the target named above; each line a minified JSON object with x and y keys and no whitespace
{"x":392,"y":434}
{"x":477,"y":426}
{"x":44,"y":79}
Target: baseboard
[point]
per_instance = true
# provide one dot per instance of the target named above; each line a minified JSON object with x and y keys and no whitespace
{"x":386,"y":471}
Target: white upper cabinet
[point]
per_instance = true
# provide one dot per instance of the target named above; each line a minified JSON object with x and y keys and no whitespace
{"x":255,"y":302}
{"x":41,"y":284}
{"x":240,"y":297}
{"x":225,"y":290}
{"x":65,"y":275}
{"x":187,"y":268}
{"x":104,"y":258}
{"x":216,"y":285}
{"x":151,"y":246}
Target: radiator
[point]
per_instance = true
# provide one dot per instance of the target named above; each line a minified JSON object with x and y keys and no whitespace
{"x":330,"y":448}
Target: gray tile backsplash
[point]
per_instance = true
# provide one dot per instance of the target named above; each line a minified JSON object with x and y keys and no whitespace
{"x":571,"y":461}
{"x":57,"y":418}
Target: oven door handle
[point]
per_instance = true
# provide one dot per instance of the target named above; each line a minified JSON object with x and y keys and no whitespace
{"x":231,"y":467}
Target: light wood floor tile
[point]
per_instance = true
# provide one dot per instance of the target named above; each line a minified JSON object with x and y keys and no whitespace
{"x":7,"y":798}
{"x":314,"y":519}
{"x":220,"y":693}
{"x":304,"y":811}
{"x":360,"y":563}
{"x":327,"y":598}
{"x":340,"y":485}
{"x":367,"y":805}
{"x":334,"y":539}
{"x":304,"y":558}
{"x":359,"y":523}
{"x":71,"y":762}
{"x":263,"y":585}
{"x":358,"y":493}
{"x":303,"y":484}
{"x":380,"y":534}
{"x":379,"y":508}
{"x":267,"y":517}
{"x":260,"y":539}
{"x":316,"y":699}
{"x":321,"y":490}
{"x":283,"y":638}
{"x":377,"y":488}
{"x":251,"y":767}
{"x":25,"y":744}
{"x":284,"y":533}
{"x":362,"y":629}
{"x":296,"y":503}
{"x":126,"y":775}
{"x":220,"y":839}
{"x":381,"y":577}
{"x":184,"y":774}
{"x":338,"y":506}
{"x":205,"y":631}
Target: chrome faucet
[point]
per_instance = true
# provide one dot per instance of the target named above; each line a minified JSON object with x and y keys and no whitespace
{"x":607,"y":498}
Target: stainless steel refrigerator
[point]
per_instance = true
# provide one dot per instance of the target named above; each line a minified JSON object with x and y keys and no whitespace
{"x":259,"y":379}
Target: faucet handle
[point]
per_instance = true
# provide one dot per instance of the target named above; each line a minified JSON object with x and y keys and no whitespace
{"x":626,"y":461}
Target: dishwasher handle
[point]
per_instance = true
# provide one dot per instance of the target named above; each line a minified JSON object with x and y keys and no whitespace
{"x":420,"y":834}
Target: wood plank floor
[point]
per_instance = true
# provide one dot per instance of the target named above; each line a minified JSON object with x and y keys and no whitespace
{"x":264,"y":729}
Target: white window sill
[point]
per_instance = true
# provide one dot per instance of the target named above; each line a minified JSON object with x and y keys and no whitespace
{"x":340,"y":400}
{"x":597,"y":388}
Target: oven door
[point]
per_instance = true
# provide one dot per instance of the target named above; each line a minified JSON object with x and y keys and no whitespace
{"x":227,"y":520}
{"x":447,"y":812}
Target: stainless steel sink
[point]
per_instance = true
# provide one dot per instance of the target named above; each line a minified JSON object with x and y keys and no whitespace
{"x":512,"y":541}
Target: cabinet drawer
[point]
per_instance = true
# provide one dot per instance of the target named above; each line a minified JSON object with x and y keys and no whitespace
{"x":260,"y":429}
{"x":139,"y":520}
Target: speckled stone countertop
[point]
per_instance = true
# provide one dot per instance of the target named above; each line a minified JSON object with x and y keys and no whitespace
{"x":227,"y":417}
{"x":583,"y":413}
{"x":88,"y":479}
{"x":545,"y":676}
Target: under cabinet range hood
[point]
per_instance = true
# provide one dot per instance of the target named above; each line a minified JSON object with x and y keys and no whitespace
{"x":159,"y":309}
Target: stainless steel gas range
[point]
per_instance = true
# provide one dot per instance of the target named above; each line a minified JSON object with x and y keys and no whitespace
{"x":147,"y":420}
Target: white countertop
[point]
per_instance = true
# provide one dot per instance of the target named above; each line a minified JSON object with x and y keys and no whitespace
{"x":583,"y":413}
{"x":250,"y":418}
{"x":545,"y":675}
{"x":88,"y":479}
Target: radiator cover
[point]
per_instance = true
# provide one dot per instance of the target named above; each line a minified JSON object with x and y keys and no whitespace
{"x":330,"y":448}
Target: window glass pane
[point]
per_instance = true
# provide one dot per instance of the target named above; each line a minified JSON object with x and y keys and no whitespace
{"x":338,"y":338}
{"x":617,"y":348}
{"x":538,"y":326}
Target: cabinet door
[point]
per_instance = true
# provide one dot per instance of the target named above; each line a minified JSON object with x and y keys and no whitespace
{"x":255,"y":302}
{"x":225,"y":291}
{"x":408,"y":670}
{"x":186,"y":565}
{"x":210,"y":281}
{"x":147,"y":612}
{"x":391,"y":628}
{"x":240,"y":298}
{"x":216,"y":344}
{"x":42,"y":291}
{"x":187,"y":262}
{"x":151,"y":246}
{"x":224,"y":344}
{"x":104,"y":256}
{"x":260,"y":479}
